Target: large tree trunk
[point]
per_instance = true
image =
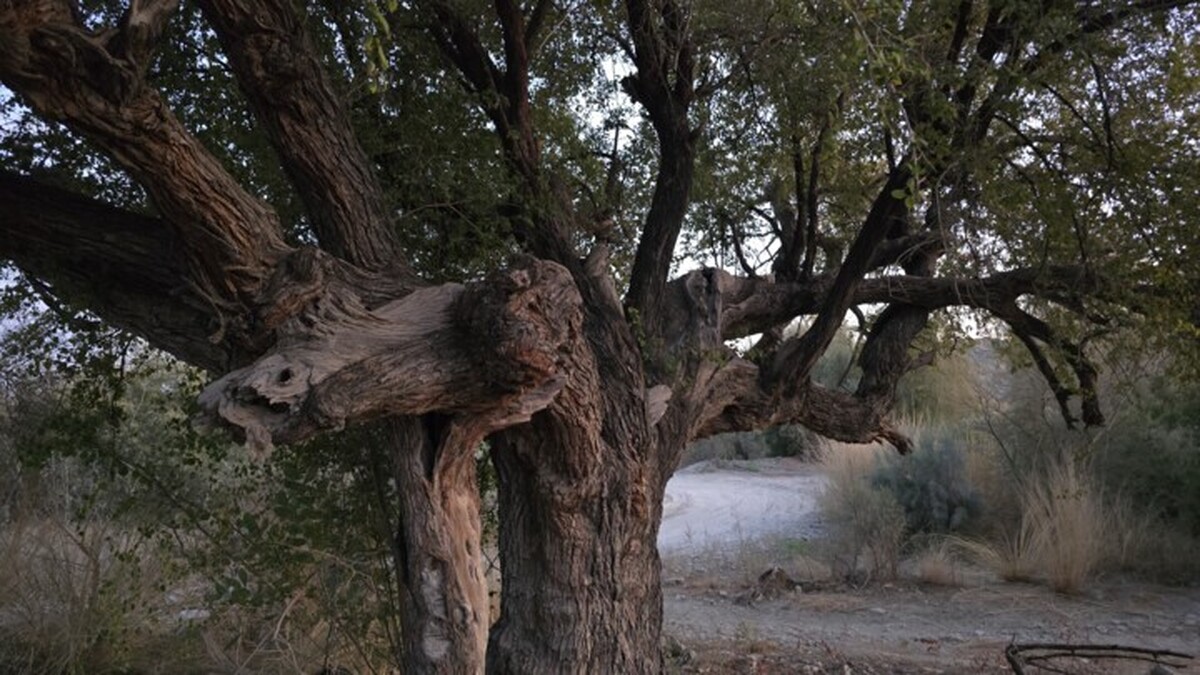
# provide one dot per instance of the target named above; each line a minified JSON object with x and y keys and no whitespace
{"x":580,"y":502}
{"x":578,"y":528}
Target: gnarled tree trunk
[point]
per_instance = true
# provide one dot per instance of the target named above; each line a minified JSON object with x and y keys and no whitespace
{"x":580,"y":505}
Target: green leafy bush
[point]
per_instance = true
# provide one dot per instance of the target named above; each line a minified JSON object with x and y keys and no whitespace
{"x":1156,"y":468}
{"x":932,"y":487}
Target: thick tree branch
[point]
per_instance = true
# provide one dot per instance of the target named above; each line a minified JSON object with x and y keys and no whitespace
{"x":493,"y":348}
{"x":753,"y":305}
{"x":229,"y":240}
{"x":664,"y":86}
{"x":292,"y":96}
{"x":737,"y":400}
{"x":125,"y":267}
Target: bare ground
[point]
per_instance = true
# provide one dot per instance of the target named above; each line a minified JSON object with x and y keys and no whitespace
{"x":727,"y":523}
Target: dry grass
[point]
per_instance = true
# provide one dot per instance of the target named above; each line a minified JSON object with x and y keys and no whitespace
{"x":866,"y":526}
{"x":1064,"y":535}
{"x":937,"y":565}
{"x":1072,"y":516}
{"x":75,"y":597}
{"x":850,"y":461}
{"x":1014,"y":554}
{"x":93,"y":598}
{"x":295,"y":636}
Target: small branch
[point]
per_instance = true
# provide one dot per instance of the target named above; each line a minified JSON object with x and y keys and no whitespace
{"x":537,"y":20}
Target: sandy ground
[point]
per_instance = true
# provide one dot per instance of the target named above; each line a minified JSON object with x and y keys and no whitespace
{"x":709,"y":506}
{"x":715,"y":514}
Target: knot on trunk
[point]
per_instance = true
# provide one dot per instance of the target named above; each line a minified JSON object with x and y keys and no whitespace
{"x":520,"y":322}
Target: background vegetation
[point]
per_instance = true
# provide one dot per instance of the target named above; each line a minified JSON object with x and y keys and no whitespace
{"x":1001,"y":482}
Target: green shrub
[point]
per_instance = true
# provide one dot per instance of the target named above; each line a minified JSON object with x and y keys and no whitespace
{"x":794,"y":441}
{"x":932,"y":487}
{"x":1157,"y":468}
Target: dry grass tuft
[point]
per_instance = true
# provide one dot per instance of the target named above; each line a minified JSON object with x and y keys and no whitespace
{"x":1064,"y":534}
{"x":866,"y":526}
{"x":937,"y":565}
{"x":851,"y":461}
{"x":1071,"y":517}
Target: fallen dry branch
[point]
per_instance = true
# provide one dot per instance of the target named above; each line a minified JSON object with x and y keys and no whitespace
{"x":1037,"y":655}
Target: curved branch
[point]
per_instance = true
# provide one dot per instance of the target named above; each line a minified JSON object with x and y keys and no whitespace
{"x":1028,"y":328}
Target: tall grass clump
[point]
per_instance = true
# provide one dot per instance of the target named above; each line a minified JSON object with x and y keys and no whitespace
{"x":866,"y":524}
{"x":1063,"y":535}
{"x":1071,"y":520}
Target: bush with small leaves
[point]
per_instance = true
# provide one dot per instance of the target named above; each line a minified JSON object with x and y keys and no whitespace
{"x":932,"y":486}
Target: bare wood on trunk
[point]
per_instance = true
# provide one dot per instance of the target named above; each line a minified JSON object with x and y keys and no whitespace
{"x":446,"y":349}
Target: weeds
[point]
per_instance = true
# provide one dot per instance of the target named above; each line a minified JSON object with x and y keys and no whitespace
{"x":74,"y":598}
{"x":866,"y":525}
{"x":937,"y":566}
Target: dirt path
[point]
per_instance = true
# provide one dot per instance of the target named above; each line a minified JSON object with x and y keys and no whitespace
{"x":709,"y":506}
{"x":909,"y":627}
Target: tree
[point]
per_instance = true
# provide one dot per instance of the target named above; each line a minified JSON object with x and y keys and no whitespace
{"x":1031,"y":162}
